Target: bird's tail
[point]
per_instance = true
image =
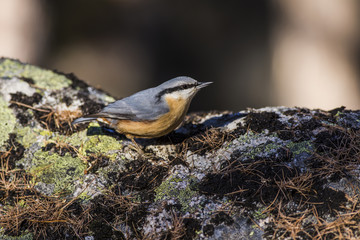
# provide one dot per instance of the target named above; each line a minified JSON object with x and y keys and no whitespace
{"x":83,"y":119}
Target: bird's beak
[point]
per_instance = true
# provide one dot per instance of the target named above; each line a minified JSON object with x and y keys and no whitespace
{"x":204,"y":84}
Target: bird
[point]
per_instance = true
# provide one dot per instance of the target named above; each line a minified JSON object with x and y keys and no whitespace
{"x":150,"y":113}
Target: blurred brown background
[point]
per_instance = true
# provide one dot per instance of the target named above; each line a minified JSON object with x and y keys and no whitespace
{"x":258,"y":53}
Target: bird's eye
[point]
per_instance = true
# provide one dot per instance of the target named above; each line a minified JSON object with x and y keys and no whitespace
{"x":183,"y":87}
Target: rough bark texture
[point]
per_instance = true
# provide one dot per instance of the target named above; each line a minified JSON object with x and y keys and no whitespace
{"x":269,"y":173}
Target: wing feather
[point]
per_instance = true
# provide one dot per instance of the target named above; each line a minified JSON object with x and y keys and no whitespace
{"x":140,"y":106}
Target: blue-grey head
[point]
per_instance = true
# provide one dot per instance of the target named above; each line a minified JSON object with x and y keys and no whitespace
{"x":180,"y":87}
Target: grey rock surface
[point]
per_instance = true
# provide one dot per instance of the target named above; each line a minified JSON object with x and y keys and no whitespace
{"x":270,"y":173}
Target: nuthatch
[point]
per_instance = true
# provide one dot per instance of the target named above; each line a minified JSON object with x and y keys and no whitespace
{"x":150,"y":113}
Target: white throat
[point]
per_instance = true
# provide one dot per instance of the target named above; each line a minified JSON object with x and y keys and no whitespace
{"x":183,"y":94}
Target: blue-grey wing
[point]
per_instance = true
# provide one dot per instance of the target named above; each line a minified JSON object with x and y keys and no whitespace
{"x":140,"y":106}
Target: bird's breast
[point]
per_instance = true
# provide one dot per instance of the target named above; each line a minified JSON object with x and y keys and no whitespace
{"x":160,"y":127}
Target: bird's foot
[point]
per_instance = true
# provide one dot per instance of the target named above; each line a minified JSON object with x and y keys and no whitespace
{"x":139,"y":149}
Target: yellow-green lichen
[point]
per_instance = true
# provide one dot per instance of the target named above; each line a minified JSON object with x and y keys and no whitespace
{"x":170,"y":189}
{"x":338,"y":115}
{"x":96,"y":143}
{"x":26,"y":135}
{"x":84,"y":196}
{"x":22,"y":203}
{"x":270,"y":147}
{"x":61,"y":171}
{"x":259,"y":144}
{"x":7,"y":121}
{"x":247,"y":137}
{"x":24,"y":236}
{"x":260,"y":214}
{"x":77,"y":138}
{"x":43,"y":78}
{"x":300,"y":147}
{"x":46,"y":133}
{"x":250,"y":136}
{"x":10,"y":68}
{"x":103,"y":144}
{"x":109,"y":99}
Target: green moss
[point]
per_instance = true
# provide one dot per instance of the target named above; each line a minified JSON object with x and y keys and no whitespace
{"x":61,"y":171}
{"x":7,"y":121}
{"x":43,"y":78}
{"x":170,"y":189}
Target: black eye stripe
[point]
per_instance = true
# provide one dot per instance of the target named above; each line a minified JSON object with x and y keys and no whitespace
{"x":170,"y":90}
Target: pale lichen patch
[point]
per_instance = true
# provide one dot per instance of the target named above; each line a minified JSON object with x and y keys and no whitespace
{"x":179,"y":187}
{"x":60,"y":171}
{"x":7,"y":121}
{"x":45,"y":79}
